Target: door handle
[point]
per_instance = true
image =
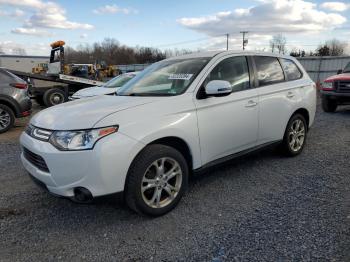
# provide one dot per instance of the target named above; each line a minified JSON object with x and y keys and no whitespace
{"x":251,"y":103}
{"x":290,"y":94}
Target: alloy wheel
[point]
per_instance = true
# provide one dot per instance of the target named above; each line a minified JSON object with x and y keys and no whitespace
{"x":161,"y":182}
{"x":296,"y":136}
{"x":5,"y":119}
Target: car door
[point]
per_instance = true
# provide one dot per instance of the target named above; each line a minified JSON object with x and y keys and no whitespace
{"x":227,"y":124}
{"x":277,"y":98}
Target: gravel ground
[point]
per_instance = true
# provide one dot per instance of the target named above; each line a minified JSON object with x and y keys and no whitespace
{"x":263,"y":207}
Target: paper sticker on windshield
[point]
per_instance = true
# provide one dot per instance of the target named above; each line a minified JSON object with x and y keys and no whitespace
{"x":180,"y":76}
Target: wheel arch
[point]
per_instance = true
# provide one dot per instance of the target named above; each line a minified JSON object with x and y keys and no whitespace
{"x":11,"y":104}
{"x":179,"y":144}
{"x":305,"y":113}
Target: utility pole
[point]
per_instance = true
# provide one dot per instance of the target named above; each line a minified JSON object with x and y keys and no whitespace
{"x":227,"y":36}
{"x":245,"y":41}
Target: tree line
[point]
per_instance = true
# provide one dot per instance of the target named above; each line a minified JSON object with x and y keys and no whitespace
{"x":333,"y":47}
{"x":112,"y":52}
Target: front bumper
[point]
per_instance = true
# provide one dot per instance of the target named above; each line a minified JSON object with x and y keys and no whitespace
{"x":101,"y":170}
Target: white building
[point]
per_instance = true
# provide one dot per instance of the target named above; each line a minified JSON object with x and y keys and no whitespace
{"x":22,"y":63}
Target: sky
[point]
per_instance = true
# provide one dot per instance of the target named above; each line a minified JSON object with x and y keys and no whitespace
{"x":190,"y":24}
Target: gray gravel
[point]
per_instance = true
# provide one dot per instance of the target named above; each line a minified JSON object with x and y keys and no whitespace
{"x":263,"y":207}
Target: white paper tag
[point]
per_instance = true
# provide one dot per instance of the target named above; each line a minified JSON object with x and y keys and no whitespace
{"x":180,"y":76}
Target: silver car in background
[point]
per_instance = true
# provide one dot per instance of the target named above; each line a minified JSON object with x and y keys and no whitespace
{"x":108,"y":88}
{"x":14,"y":99}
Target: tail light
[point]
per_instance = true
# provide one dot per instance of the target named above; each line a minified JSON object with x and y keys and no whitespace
{"x":19,"y":85}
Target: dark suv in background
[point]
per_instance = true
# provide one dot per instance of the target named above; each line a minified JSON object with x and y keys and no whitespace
{"x":14,"y":99}
{"x":335,"y":90}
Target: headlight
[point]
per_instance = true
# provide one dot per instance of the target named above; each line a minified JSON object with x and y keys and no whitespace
{"x":327,"y":85}
{"x":79,"y":139}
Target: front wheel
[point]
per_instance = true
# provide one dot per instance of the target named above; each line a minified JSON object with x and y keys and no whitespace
{"x":156,"y":181}
{"x":329,"y":105}
{"x":294,"y":136}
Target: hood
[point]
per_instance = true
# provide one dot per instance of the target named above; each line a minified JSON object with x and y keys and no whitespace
{"x":94,"y":91}
{"x":340,"y":77}
{"x":85,"y":113}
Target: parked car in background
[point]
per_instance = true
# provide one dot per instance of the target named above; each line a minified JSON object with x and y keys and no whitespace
{"x":179,"y":115}
{"x":335,"y":90}
{"x":107,"y":89}
{"x":14,"y":99}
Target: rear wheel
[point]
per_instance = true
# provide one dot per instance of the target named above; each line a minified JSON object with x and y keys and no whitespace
{"x":54,"y":97}
{"x":294,"y":136}
{"x":7,"y":118}
{"x":156,"y":181}
{"x":329,"y":105}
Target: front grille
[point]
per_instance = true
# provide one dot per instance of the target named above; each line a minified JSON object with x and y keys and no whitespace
{"x":343,"y":86}
{"x":36,"y":160}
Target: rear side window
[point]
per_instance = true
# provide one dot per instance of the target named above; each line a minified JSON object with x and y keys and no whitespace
{"x":269,"y":70}
{"x":234,"y":70}
{"x":291,"y":69}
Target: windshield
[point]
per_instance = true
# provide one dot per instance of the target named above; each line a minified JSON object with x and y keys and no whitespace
{"x":347,"y":68}
{"x":119,"y":81}
{"x":165,"y":78}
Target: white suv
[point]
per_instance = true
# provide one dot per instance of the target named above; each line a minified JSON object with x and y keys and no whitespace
{"x":179,"y":115}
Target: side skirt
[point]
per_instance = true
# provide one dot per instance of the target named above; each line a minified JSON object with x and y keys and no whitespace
{"x":237,"y":155}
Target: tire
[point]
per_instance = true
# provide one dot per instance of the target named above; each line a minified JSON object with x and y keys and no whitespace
{"x":143,"y":173}
{"x":54,"y":97}
{"x":293,"y":132}
{"x":7,"y":118}
{"x":40,"y":100}
{"x":329,"y":105}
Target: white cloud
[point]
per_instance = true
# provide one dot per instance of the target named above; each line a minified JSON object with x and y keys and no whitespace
{"x":30,"y":31}
{"x":46,"y":15}
{"x":335,"y":6}
{"x":269,"y":16}
{"x":18,"y":13}
{"x":83,"y":36}
{"x":15,"y":13}
{"x":114,"y":9}
{"x":9,"y":47}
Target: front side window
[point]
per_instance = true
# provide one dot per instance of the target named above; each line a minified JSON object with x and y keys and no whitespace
{"x":234,"y":70}
{"x":291,"y":69}
{"x":269,"y":70}
{"x":165,"y":78}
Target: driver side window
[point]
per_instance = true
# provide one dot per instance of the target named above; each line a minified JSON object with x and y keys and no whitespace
{"x":234,"y":70}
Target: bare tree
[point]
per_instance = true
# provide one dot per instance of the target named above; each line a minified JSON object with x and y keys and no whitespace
{"x":333,"y":47}
{"x":111,"y":52}
{"x":278,"y":43}
{"x":297,"y":53}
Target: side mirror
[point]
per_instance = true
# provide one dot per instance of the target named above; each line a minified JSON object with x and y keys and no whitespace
{"x":218,"y":87}
{"x":339,"y":71}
